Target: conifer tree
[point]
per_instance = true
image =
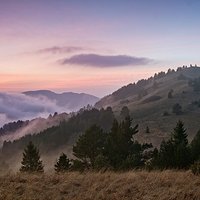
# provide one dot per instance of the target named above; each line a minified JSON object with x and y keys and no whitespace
{"x":63,"y":163}
{"x":165,"y":157}
{"x":179,"y":135}
{"x":182,"y":153}
{"x":31,"y":159}
{"x":175,"y":152}
{"x":121,"y":149}
{"x":195,"y":147}
{"x":90,"y":145}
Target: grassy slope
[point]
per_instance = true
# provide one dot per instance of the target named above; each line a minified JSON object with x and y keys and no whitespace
{"x":151,"y":113}
{"x":166,"y":185}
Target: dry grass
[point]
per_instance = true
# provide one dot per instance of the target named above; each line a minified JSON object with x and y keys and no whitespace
{"x":167,"y":185}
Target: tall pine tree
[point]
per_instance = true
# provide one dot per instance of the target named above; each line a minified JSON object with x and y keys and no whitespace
{"x":90,"y":145}
{"x":31,"y":159}
{"x":175,"y":153}
{"x":179,"y":135}
{"x":195,"y":147}
{"x":182,"y":156}
{"x":122,"y":150}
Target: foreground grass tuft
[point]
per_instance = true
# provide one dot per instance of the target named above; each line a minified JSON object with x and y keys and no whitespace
{"x":166,"y":185}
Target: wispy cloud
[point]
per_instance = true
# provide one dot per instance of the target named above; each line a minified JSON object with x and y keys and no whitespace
{"x":64,"y":49}
{"x":95,"y":60}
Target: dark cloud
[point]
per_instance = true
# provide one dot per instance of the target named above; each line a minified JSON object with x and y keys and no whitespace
{"x":95,"y":60}
{"x":59,"y":50}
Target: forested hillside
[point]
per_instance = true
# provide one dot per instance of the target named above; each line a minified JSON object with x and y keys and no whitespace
{"x":160,"y":101}
{"x":59,"y":137}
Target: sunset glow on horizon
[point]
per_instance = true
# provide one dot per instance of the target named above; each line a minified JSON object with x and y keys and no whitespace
{"x":93,"y":47}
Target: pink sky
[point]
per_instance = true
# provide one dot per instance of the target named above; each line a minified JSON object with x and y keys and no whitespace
{"x":105,"y":45}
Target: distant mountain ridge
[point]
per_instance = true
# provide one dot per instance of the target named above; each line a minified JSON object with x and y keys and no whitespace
{"x":71,"y":100}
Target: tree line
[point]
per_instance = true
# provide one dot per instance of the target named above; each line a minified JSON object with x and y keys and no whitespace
{"x":97,"y":149}
{"x":68,"y":131}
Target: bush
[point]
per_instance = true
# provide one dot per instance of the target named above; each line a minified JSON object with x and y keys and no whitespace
{"x":101,"y":162}
{"x":165,"y":113}
{"x":151,"y":99}
{"x":170,"y":94}
{"x":177,"y":109}
{"x":147,"y":130}
{"x":132,"y":162}
{"x":77,"y":165}
{"x":196,"y":168}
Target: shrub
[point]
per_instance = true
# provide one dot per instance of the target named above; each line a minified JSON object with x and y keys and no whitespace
{"x":151,"y":99}
{"x":101,"y":162}
{"x":165,"y":113}
{"x":196,"y":168}
{"x":77,"y":165}
{"x":177,"y":109}
{"x":147,"y":130}
{"x":170,"y":94}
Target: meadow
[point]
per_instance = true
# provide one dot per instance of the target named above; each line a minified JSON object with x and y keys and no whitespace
{"x":136,"y":185}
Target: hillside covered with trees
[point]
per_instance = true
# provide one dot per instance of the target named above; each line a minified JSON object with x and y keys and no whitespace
{"x":159,"y":102}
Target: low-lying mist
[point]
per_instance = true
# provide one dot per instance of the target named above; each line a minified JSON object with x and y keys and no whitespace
{"x":15,"y":106}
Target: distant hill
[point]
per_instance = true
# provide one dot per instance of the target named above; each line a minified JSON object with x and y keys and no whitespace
{"x":73,"y":101}
{"x":151,"y":102}
{"x":15,"y":130}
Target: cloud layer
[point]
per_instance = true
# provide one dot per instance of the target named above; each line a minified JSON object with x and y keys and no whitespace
{"x":59,"y":50}
{"x":41,"y":103}
{"x":95,"y":60}
{"x":18,"y":106}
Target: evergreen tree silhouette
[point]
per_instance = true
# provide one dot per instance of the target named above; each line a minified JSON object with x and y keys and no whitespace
{"x":62,"y":164}
{"x":31,"y":160}
{"x":179,"y":135}
{"x":175,"y":152}
{"x":182,"y":154}
{"x":89,"y":145}
{"x":195,"y":147}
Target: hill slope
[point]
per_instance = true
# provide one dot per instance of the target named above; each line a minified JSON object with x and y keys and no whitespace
{"x":151,"y":104}
{"x":73,"y":101}
{"x":15,"y":130}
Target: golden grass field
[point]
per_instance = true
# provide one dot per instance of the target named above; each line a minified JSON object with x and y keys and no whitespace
{"x":166,"y":185}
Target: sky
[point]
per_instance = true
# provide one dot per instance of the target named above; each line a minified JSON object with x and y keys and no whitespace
{"x":92,"y":46}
